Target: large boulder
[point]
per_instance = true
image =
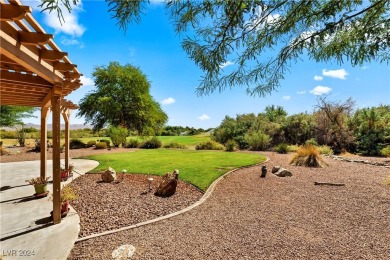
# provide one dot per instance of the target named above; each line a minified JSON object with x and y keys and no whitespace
{"x":168,"y":184}
{"x":108,"y":175}
{"x":281,"y":172}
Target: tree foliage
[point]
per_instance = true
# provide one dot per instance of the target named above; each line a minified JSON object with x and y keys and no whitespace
{"x":122,"y":98}
{"x":262,"y":38}
{"x":13,"y":115}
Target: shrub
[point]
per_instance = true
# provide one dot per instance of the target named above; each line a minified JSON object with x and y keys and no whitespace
{"x":386,"y":151}
{"x":101,"y":145}
{"x":311,"y":141}
{"x":387,"y":181}
{"x":118,"y":135}
{"x":209,"y":145}
{"x":152,"y":143}
{"x":108,"y":142}
{"x":132,"y":143}
{"x":282,"y":148}
{"x":175,"y":145}
{"x":231,"y":145}
{"x":91,"y":143}
{"x":324,"y":149}
{"x":293,"y":148}
{"x":309,"y":156}
{"x":258,"y":141}
{"x":3,"y":151}
{"x":76,"y":144}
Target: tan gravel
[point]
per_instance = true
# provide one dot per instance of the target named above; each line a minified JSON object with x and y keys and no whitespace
{"x":273,"y":218}
{"x":246,"y":217}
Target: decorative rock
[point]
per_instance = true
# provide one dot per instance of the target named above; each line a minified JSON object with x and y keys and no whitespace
{"x":123,"y":252}
{"x":263,"y":171}
{"x":282,"y":172}
{"x":109,"y":175}
{"x":168,"y":184}
{"x":275,"y":169}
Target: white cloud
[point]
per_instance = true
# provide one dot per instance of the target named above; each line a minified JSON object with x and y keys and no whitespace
{"x":303,"y":92}
{"x":365,"y":67}
{"x":318,"y":78}
{"x":86,"y":81}
{"x":338,"y":74}
{"x":225,"y":64}
{"x":204,"y":117}
{"x":320,"y":90}
{"x":286,"y":97}
{"x":70,"y":25}
{"x":168,"y":101}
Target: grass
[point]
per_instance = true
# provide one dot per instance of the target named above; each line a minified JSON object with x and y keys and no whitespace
{"x":200,"y":168}
{"x":307,"y":155}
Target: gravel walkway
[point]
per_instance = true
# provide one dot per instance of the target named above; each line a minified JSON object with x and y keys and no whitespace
{"x":273,"y":218}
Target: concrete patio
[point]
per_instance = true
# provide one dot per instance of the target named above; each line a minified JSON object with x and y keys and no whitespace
{"x":26,"y":229}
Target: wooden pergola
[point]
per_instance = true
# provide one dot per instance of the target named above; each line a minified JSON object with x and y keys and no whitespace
{"x":36,"y":73}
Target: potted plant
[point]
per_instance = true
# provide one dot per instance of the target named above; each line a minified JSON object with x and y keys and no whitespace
{"x":65,"y":173}
{"x":40,"y":186}
{"x":67,"y":195}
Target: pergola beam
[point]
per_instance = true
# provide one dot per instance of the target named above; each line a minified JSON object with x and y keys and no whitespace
{"x":34,"y":38}
{"x":52,"y":55}
{"x":13,"y":12}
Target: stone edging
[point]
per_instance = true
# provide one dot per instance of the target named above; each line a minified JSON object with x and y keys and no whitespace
{"x":344,"y":159}
{"x":205,"y":196}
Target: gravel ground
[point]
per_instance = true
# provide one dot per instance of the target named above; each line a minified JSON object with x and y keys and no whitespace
{"x":246,"y":217}
{"x":273,"y":218}
{"x":125,"y":203}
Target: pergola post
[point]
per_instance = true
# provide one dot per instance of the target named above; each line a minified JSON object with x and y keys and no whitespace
{"x":66,"y":116}
{"x":56,"y":121}
{"x":43,"y":144}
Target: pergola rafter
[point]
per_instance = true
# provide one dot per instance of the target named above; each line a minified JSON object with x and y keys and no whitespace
{"x":35,"y":72}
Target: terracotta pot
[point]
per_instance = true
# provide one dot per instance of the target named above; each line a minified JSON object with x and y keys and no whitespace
{"x":64,"y":175}
{"x":64,"y":208}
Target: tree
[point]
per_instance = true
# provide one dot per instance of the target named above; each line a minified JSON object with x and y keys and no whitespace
{"x":13,"y":115}
{"x":372,"y":129}
{"x":122,"y":98}
{"x":243,"y":32}
{"x":331,"y":126}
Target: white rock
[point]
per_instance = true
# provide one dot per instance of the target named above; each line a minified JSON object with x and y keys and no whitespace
{"x":123,"y":252}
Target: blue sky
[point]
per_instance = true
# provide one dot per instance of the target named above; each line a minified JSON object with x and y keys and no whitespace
{"x":92,"y":39}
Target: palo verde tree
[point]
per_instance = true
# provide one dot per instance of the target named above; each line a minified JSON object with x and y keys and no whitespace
{"x":122,"y":98}
{"x":262,"y":38}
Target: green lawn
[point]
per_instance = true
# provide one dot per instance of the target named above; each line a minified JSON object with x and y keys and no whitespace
{"x":189,"y":141}
{"x":200,"y":168}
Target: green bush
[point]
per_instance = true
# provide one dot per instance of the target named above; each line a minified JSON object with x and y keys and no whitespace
{"x":324,"y":149}
{"x":293,"y":148}
{"x":311,"y":141}
{"x":386,"y":151}
{"x":282,"y":148}
{"x":118,"y":135}
{"x":231,"y":145}
{"x":105,"y":141}
{"x":152,"y":143}
{"x":175,"y":145}
{"x":132,"y":143}
{"x":91,"y":143}
{"x":76,"y":144}
{"x":258,"y":141}
{"x":209,"y":145}
{"x":101,"y":145}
